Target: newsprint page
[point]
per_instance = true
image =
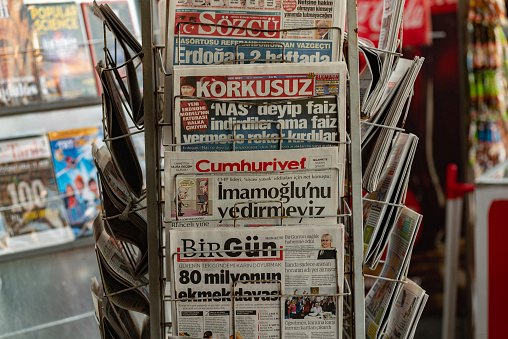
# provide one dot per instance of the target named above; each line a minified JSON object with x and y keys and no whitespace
{"x":205,"y":32}
{"x":271,"y":106}
{"x":257,"y":282}
{"x":271,"y":188}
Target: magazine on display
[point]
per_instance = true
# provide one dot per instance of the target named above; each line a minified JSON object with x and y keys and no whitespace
{"x":76,"y":174}
{"x":287,"y":187}
{"x":379,"y":212}
{"x":228,"y":291}
{"x":33,"y":214}
{"x":304,"y":104}
{"x":19,"y":82}
{"x":194,"y":39}
{"x":65,"y":66}
{"x":380,"y":299}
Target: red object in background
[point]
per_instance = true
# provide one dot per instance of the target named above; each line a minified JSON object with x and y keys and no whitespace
{"x":416,"y":23}
{"x":443,"y":6}
{"x":497,"y":275}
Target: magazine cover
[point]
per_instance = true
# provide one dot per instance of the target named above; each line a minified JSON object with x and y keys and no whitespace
{"x":18,"y":77}
{"x":95,"y":33}
{"x":247,"y":283}
{"x":304,"y":105}
{"x":64,"y":63}
{"x":32,"y":210}
{"x":205,"y":32}
{"x":288,"y":187}
{"x":76,"y":174}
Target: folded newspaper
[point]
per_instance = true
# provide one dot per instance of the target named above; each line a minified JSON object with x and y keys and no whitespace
{"x":118,"y":139}
{"x":388,"y":41}
{"x":205,"y":32}
{"x":260,"y":282}
{"x":123,"y":288}
{"x":381,"y":208}
{"x":131,"y":47}
{"x":114,"y":322}
{"x":381,"y":297}
{"x":254,"y":107}
{"x":406,"y":312}
{"x":287,"y":187}
{"x":368,"y":128}
{"x":389,"y":116}
{"x":122,"y":223}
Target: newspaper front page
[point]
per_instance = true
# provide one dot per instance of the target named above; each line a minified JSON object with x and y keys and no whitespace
{"x":229,"y":284}
{"x":259,"y":107}
{"x":205,"y":32}
{"x":271,"y":188}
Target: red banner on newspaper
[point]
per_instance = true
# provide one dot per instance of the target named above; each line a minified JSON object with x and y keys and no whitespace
{"x":194,"y":115}
{"x":236,"y":21}
{"x":416,"y":24}
{"x":246,"y":87}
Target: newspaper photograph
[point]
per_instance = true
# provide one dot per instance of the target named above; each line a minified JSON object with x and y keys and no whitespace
{"x":226,"y":108}
{"x":270,"y":188}
{"x":260,"y":282}
{"x":205,"y":32}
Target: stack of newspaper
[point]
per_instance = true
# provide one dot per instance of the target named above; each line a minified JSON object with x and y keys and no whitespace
{"x":118,"y":139}
{"x":117,"y":322}
{"x":131,"y":48}
{"x":382,"y":208}
{"x":206,"y":32}
{"x":120,"y":231}
{"x":376,"y":140}
{"x":388,"y":43}
{"x":274,"y":116}
{"x":259,"y":149}
{"x":271,"y":282}
{"x":130,"y":226}
{"x":392,"y":292}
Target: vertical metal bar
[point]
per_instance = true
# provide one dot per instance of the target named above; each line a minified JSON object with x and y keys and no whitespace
{"x":356,"y":171}
{"x":152,"y":176}
{"x":452,"y":237}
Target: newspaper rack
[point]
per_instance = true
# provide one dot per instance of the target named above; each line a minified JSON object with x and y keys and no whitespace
{"x":347,"y":329}
{"x":353,"y":326}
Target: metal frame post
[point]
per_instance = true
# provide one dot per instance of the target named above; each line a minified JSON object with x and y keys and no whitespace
{"x":356,"y":171}
{"x":152,"y":173}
